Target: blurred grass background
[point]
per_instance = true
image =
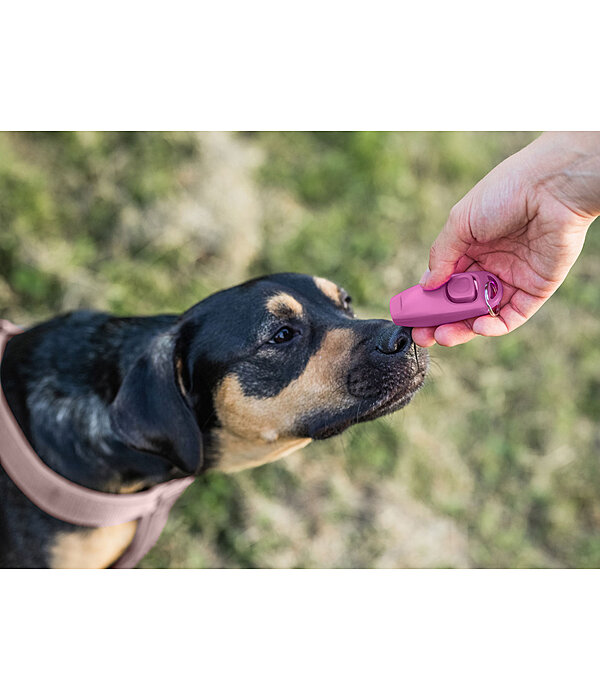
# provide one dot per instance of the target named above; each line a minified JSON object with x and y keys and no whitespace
{"x":494,"y":464}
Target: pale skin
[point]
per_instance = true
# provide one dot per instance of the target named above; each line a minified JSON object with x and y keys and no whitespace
{"x":526,"y":222}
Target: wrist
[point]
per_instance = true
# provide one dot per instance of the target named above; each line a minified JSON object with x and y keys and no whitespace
{"x":566,"y":165}
{"x":582,"y":142}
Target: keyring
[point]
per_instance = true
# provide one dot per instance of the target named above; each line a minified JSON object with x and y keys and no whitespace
{"x":487,"y":301}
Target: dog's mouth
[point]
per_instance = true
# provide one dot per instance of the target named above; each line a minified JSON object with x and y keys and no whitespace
{"x":368,"y":409}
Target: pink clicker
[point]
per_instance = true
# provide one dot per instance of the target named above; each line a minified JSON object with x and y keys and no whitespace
{"x":464,"y":295}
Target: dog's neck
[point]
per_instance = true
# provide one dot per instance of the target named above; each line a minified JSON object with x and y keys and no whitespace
{"x":61,"y":403}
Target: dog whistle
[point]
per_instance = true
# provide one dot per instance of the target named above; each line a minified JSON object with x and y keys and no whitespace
{"x":464,"y":295}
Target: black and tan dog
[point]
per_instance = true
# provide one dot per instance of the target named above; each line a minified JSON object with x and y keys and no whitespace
{"x":244,"y":377}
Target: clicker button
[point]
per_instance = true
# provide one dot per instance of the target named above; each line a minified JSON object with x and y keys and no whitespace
{"x":461,"y":289}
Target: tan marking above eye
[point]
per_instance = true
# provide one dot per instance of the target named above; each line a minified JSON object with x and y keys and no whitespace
{"x":284,"y":305}
{"x":329,"y":289}
{"x":321,"y":385}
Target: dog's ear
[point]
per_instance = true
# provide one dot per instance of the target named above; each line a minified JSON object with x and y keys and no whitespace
{"x":150,"y":413}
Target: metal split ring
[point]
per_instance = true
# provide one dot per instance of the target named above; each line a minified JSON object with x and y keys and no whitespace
{"x":487,"y":301}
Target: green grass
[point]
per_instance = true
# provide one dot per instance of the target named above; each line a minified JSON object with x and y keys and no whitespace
{"x":494,"y":464}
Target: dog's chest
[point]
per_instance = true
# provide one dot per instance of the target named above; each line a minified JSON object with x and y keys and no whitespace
{"x":94,"y":548}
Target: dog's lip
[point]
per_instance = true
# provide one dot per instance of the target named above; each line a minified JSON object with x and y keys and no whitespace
{"x":403,"y":395}
{"x":380,"y":408}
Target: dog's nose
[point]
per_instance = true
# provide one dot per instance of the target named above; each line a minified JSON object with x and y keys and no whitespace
{"x":392,"y":340}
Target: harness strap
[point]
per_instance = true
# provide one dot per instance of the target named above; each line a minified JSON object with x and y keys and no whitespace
{"x":149,"y":528}
{"x":77,"y":504}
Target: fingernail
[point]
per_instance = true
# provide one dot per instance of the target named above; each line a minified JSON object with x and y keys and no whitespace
{"x":425,"y":277}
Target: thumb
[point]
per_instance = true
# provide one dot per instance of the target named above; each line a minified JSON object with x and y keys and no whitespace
{"x":447,"y":249}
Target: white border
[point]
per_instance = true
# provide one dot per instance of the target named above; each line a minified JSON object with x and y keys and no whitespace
{"x":298,"y":634}
{"x":310,"y":65}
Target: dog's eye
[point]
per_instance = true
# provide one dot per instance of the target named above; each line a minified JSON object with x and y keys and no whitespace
{"x":347,"y":300}
{"x":283,"y":335}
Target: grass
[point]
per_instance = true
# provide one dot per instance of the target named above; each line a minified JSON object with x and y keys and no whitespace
{"x":494,"y":464}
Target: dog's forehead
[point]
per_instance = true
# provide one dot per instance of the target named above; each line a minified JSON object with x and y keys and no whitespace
{"x":232,"y":317}
{"x":297,"y":290}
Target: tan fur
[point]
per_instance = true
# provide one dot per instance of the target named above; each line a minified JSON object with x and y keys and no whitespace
{"x":134,"y":487}
{"x":284,"y":305}
{"x":237,"y":453}
{"x":92,"y":549}
{"x":329,"y":289}
{"x":256,"y":429}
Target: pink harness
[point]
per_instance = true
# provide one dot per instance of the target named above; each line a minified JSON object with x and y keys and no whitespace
{"x":77,"y":504}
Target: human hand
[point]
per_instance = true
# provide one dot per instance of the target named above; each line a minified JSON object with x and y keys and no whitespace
{"x":526,"y":223}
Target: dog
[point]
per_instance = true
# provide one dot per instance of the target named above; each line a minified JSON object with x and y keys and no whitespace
{"x":244,"y":377}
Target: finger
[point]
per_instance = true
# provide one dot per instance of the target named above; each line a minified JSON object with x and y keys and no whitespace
{"x":490,"y":326}
{"x":423,"y":336}
{"x":451,"y":244}
{"x":511,"y":316}
{"x":450,"y":334}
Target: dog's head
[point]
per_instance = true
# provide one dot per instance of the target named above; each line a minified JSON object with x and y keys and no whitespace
{"x":257,"y":371}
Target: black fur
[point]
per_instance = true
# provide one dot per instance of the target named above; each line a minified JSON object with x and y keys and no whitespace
{"x":114,"y":402}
